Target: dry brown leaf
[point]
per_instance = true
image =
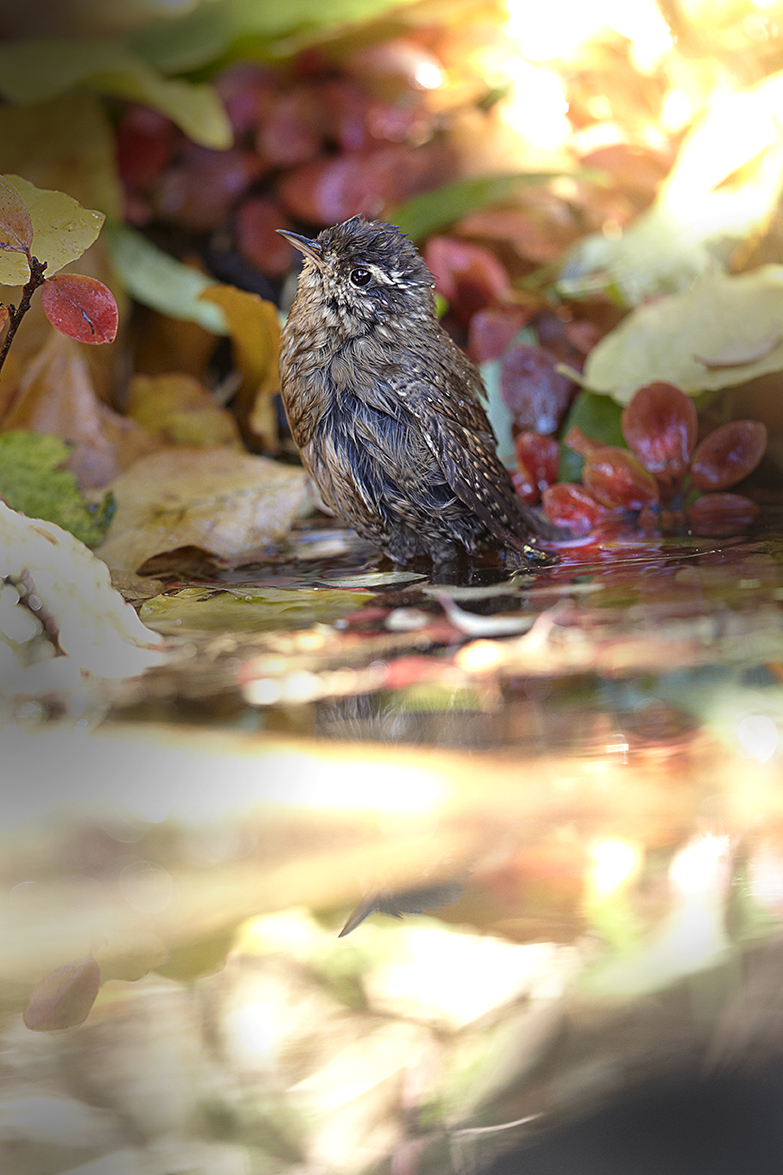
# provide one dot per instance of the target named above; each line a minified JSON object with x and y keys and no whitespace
{"x":227,"y":503}
{"x":56,"y":395}
{"x":255,"y":333}
{"x":181,"y":408}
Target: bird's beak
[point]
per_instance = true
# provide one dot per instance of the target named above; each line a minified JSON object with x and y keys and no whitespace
{"x":305,"y":245}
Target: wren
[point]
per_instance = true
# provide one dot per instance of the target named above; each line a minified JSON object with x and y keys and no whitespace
{"x":386,"y":409}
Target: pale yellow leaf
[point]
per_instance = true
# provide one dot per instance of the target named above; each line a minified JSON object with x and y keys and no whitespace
{"x":226,"y":503}
{"x":62,"y":229}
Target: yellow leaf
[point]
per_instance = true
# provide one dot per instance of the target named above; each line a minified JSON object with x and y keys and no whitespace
{"x":226,"y":503}
{"x":62,"y":229}
{"x":181,"y":408}
{"x":254,"y":328}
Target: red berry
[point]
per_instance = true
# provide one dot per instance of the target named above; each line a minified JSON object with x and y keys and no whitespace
{"x":616,"y":478}
{"x":721,"y":514}
{"x":728,"y":454}
{"x":659,"y":426}
{"x":569,"y":505}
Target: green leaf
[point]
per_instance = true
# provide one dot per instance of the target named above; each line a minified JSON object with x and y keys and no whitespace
{"x":424,"y":214}
{"x":722,"y":332}
{"x":157,"y":280}
{"x":599,"y":418}
{"x":38,"y":69}
{"x":208,"y":31}
{"x":31,"y":483}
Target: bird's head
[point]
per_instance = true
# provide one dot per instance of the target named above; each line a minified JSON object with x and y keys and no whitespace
{"x":361,"y":274}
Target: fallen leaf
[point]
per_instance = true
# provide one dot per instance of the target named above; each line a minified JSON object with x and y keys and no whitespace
{"x":227,"y":503}
{"x":180,"y":408}
{"x":30,"y":481}
{"x":56,"y":396}
{"x":161,"y":282}
{"x":662,"y":341}
{"x":254,"y":328}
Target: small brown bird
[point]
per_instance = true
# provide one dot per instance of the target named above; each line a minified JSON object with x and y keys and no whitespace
{"x":385,"y":407}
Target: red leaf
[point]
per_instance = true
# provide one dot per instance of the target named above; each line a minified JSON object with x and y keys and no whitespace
{"x":16,"y":227}
{"x":721,"y":514}
{"x":728,"y":454}
{"x":659,"y":426}
{"x":63,"y":999}
{"x":568,"y":505}
{"x":616,"y":478}
{"x":532,"y":387}
{"x":80,"y":307}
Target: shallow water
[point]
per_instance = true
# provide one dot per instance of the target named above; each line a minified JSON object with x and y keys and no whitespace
{"x":388,"y":874}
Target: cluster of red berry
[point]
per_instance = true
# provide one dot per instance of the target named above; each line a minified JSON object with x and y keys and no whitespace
{"x":664,"y":480}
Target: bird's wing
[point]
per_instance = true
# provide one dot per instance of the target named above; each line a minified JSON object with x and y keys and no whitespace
{"x":461,"y":438}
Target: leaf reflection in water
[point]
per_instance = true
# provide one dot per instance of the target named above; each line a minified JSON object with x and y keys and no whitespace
{"x":405,"y":901}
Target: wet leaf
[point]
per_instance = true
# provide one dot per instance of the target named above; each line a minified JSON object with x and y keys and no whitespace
{"x":38,"y":69}
{"x":430,"y":211}
{"x":616,"y":478}
{"x":30,"y":481}
{"x":62,"y":229}
{"x":181,"y":408}
{"x":64,"y":998}
{"x":662,"y":341}
{"x":570,"y":505}
{"x":227,"y":503}
{"x":659,"y":426}
{"x":722,"y":514}
{"x":81,"y":307}
{"x":157,"y":280}
{"x":16,"y":235}
{"x":198,"y":609}
{"x":728,"y":454}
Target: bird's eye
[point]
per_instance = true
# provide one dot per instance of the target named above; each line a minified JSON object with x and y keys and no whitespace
{"x":360,"y":277}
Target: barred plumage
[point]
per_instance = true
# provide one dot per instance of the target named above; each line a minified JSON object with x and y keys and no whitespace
{"x":386,"y":409}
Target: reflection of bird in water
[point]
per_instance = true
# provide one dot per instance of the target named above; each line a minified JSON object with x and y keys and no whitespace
{"x":406,"y":901}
